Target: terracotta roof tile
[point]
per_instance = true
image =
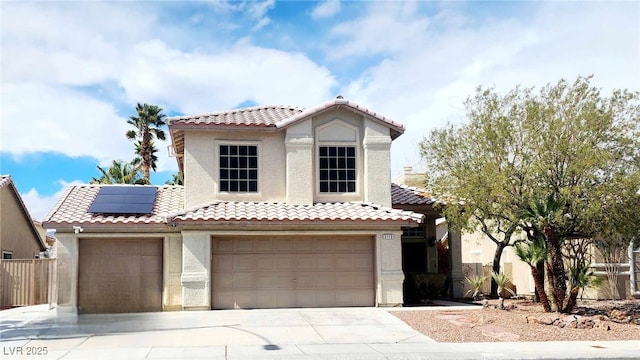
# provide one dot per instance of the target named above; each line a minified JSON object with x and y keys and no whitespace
{"x":72,"y":208}
{"x":73,"y":205}
{"x":264,"y":116}
{"x":230,"y":211}
{"x":4,"y":180}
{"x":409,"y":195}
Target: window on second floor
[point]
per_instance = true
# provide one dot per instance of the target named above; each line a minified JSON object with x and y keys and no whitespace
{"x":337,"y":165}
{"x":239,"y":168}
{"x":7,"y":255}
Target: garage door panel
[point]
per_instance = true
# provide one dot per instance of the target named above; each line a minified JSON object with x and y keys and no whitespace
{"x":263,"y":245}
{"x":223,"y":246}
{"x":283,"y":262}
{"x":304,"y":261}
{"x":292,"y":272}
{"x":362,"y":261}
{"x":222,"y":263}
{"x":323,"y":262}
{"x":265,"y":281}
{"x":304,"y":280}
{"x":243,"y":245}
{"x":243,"y":262}
{"x":283,"y":280}
{"x":283,"y":245}
{"x":264,"y":262}
{"x":120,"y":275}
{"x":325,"y":281}
{"x":151,"y":264}
{"x":244,"y":281}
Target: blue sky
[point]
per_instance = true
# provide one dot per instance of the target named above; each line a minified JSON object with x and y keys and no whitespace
{"x":72,"y":72}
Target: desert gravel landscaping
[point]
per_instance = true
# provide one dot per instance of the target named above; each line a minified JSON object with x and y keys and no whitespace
{"x":526,"y":321}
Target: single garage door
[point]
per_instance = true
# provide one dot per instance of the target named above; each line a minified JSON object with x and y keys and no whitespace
{"x":120,"y":275}
{"x":277,"y":272}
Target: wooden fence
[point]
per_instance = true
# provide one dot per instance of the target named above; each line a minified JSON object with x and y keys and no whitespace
{"x":27,"y":282}
{"x":485,"y":270}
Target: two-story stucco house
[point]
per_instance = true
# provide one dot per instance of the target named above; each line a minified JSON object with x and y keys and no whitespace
{"x":281,"y":207}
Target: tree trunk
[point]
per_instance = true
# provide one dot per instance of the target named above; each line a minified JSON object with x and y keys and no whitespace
{"x":557,"y":275}
{"x":496,"y":267}
{"x":540,"y":278}
{"x":540,"y":292}
{"x":573,"y":298}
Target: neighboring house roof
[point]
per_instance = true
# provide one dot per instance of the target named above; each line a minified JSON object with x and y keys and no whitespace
{"x":233,"y":211}
{"x":409,"y":195}
{"x":6,"y":181}
{"x":266,"y":118}
{"x":72,"y":208}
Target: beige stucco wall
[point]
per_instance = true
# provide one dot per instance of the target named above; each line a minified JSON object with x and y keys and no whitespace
{"x":478,"y":248}
{"x":16,"y":231}
{"x":288,"y":162}
{"x":201,"y":167}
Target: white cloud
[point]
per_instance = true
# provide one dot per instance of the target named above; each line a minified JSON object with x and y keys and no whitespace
{"x":194,"y":83}
{"x":426,"y":75}
{"x":70,"y":70}
{"x":325,"y":9}
{"x":40,"y":205}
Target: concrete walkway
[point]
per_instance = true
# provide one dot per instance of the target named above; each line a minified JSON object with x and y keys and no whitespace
{"x":342,"y":333}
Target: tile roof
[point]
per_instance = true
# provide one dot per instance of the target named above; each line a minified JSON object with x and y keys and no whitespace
{"x":270,"y":118}
{"x":230,"y":211}
{"x":273,"y":116}
{"x":4,"y":180}
{"x":260,"y":116}
{"x":73,"y":205}
{"x":409,"y":195}
{"x":72,"y":208}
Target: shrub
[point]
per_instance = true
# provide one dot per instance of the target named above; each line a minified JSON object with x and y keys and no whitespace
{"x":429,"y":285}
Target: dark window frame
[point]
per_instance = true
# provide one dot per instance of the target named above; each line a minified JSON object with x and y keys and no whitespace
{"x":238,"y":168}
{"x":337,"y":169}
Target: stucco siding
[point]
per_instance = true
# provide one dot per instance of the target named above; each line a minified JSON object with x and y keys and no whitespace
{"x":201,"y":166}
{"x":16,"y":230}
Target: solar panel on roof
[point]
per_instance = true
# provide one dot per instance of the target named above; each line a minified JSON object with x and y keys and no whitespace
{"x":133,"y":199}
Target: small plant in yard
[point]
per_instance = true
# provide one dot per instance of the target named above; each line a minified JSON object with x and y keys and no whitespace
{"x":476,"y":283}
{"x":502,"y":280}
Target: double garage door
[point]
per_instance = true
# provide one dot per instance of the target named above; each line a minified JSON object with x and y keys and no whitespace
{"x":120,"y":275}
{"x":276,"y":272}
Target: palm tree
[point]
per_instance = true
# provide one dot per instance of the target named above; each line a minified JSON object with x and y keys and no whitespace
{"x":176,"y":179}
{"x":534,"y":254}
{"x":147,"y":125}
{"x":118,"y":173}
{"x":502,"y":280}
{"x":547,"y":215}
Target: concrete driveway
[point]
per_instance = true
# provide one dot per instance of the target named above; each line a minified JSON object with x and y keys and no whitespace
{"x":209,"y":334}
{"x":336,"y":333}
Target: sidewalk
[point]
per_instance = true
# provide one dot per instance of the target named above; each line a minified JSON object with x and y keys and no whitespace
{"x":348,"y":333}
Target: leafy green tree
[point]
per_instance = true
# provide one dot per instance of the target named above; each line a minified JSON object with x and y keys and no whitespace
{"x":148,"y":126}
{"x":118,"y":173}
{"x":480,"y":169}
{"x":566,"y":147}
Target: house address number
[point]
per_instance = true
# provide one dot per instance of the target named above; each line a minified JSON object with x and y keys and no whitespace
{"x":387,"y":236}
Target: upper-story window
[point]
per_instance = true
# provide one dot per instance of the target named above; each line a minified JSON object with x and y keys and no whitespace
{"x":239,"y":168}
{"x":337,"y":165}
{"x":7,"y":255}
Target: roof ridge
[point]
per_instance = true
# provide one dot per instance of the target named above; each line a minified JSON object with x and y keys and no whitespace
{"x":237,"y":110}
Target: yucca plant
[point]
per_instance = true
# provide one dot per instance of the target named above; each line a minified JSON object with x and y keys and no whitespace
{"x":502,"y":280}
{"x":476,"y":283}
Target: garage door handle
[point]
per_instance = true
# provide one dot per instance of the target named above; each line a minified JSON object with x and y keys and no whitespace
{"x":294,"y":280}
